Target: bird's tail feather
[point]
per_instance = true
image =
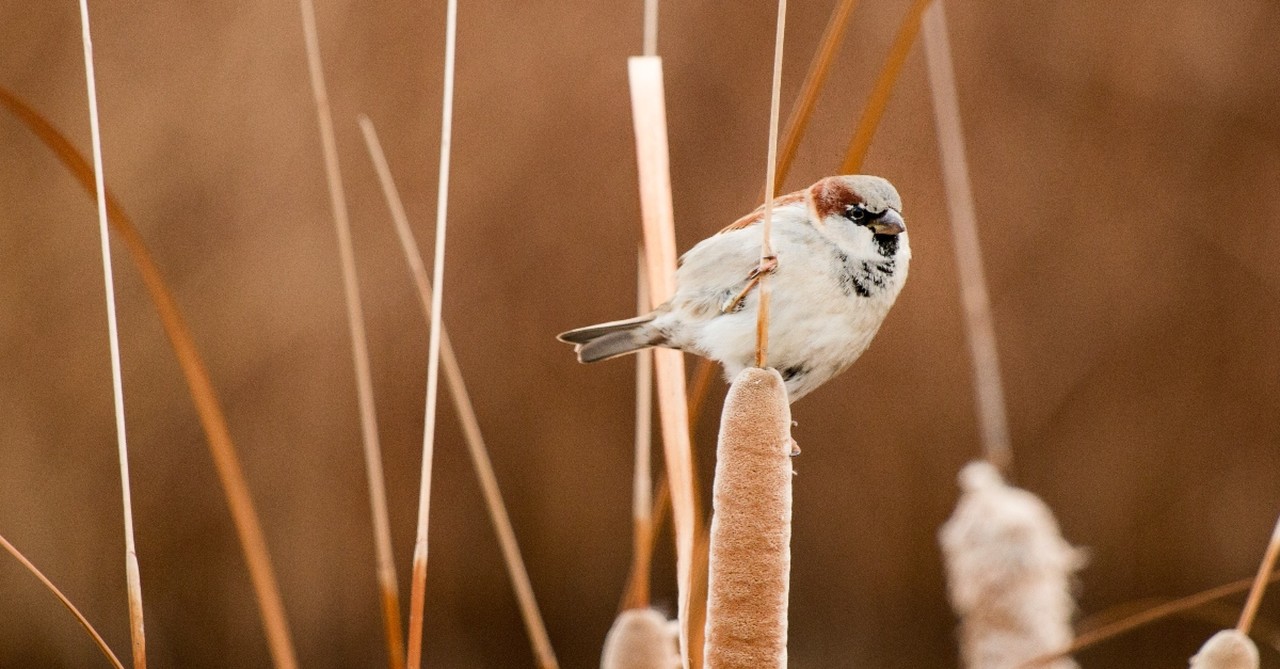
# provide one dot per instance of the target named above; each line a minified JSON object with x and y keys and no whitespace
{"x":610,"y":340}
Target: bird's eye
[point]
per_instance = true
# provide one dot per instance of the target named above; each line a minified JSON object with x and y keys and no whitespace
{"x":856,"y":213}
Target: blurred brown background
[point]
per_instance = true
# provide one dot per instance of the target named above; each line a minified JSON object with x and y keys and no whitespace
{"x":1126,"y":165}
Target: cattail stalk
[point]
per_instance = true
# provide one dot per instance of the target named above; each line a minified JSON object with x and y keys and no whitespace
{"x":372,"y":448}
{"x":642,"y":478}
{"x":244,"y":516}
{"x":750,"y":556}
{"x":978,"y":318}
{"x":650,"y":119}
{"x":133,"y":575}
{"x":1008,"y":574}
{"x":466,"y":412}
{"x":84,"y":622}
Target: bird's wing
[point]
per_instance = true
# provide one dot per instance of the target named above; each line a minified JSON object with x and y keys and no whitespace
{"x":758,"y":215}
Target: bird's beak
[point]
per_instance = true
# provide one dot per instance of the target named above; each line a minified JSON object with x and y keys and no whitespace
{"x":889,"y":223}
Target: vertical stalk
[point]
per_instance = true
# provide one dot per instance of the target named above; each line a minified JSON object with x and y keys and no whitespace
{"x":133,"y":577}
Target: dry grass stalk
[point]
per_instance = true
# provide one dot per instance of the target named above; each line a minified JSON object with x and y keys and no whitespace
{"x":1228,"y":649}
{"x":466,"y":411}
{"x":878,"y":100}
{"x":1008,"y":574}
{"x":209,"y":410}
{"x":751,"y":527}
{"x":84,"y":622}
{"x":133,"y":576}
{"x":372,"y":448}
{"x":1260,"y":582}
{"x":979,"y":321}
{"x":417,"y":594}
{"x":641,"y":639}
{"x":649,"y":115}
{"x":771,"y":189}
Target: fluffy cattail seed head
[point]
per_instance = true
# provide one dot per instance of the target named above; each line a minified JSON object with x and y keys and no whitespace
{"x":1009,"y":573}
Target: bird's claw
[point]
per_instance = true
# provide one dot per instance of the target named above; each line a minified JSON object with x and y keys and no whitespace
{"x":768,"y":265}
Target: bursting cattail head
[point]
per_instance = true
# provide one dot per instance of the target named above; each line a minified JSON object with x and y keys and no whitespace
{"x":1008,"y":573}
{"x":1228,"y":649}
{"x":641,"y":639}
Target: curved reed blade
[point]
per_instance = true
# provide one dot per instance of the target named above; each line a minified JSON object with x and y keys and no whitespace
{"x":883,"y":89}
{"x":208,"y":408}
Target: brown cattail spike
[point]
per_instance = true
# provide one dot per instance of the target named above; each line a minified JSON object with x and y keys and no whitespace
{"x":1009,"y":573}
{"x":751,"y":530}
{"x":1228,"y":649}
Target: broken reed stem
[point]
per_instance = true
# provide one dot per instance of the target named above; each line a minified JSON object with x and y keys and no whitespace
{"x":466,"y":411}
{"x":650,"y":27}
{"x":771,"y":191}
{"x":750,"y":552}
{"x":1260,"y":582}
{"x":814,"y":80}
{"x":878,"y":100}
{"x":642,"y":478}
{"x":84,"y":622}
{"x":979,"y":320}
{"x":133,"y":576}
{"x":386,"y":572}
{"x":417,"y":597}
{"x":649,"y":116}
{"x":212,"y":420}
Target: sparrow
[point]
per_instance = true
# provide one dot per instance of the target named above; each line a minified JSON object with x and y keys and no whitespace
{"x":840,"y":259}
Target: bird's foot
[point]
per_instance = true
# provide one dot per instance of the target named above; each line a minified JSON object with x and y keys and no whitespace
{"x":768,"y":265}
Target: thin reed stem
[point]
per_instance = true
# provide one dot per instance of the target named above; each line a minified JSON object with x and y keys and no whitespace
{"x":648,"y":108}
{"x":978,"y":317}
{"x":84,"y":622}
{"x":814,"y":80}
{"x":199,"y":385}
{"x":771,"y":189}
{"x":878,"y":100}
{"x":642,"y":478}
{"x":386,"y":572}
{"x":466,"y":411}
{"x":1260,"y":582}
{"x":133,"y":576}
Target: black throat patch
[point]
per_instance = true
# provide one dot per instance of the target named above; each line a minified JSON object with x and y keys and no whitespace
{"x":866,"y":277}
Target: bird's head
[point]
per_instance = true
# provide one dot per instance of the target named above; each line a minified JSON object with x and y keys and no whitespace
{"x":857,"y":201}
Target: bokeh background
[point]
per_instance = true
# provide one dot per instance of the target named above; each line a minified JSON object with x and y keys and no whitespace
{"x":1126,"y":167}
